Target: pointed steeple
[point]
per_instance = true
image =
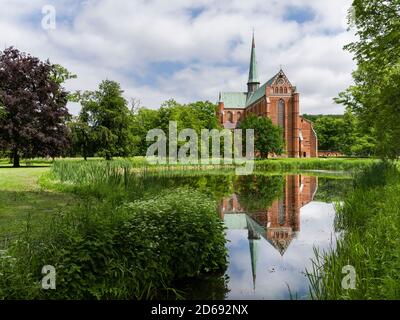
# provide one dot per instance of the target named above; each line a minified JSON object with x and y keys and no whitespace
{"x":254,"y":238}
{"x":253,"y":83}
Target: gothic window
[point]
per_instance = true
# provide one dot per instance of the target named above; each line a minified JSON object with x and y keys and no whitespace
{"x":285,"y":90}
{"x":230,"y":117}
{"x":276,"y":90}
{"x":230,"y":204}
{"x":238,"y":115}
{"x":281,"y":90}
{"x":281,"y":113}
{"x":281,"y":212}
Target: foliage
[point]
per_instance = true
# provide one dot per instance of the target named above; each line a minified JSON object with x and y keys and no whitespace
{"x":345,"y":134}
{"x":32,"y":107}
{"x":369,"y":221}
{"x":197,"y":116}
{"x":332,"y":190}
{"x":268,"y":137}
{"x":135,"y":251}
{"x":286,"y":165}
{"x":59,"y":75}
{"x":105,"y":120}
{"x":257,"y":193}
{"x":375,"y":96}
{"x":143,"y":121}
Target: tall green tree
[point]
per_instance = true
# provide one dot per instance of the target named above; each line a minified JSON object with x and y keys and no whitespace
{"x":142,"y":122}
{"x":268,"y":137}
{"x":83,"y":141}
{"x":106,"y":113}
{"x":33,"y":110}
{"x":196,"y":115}
{"x":375,"y":96}
{"x":329,"y":132}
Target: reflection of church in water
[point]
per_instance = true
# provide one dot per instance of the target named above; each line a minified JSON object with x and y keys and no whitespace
{"x":278,"y":224}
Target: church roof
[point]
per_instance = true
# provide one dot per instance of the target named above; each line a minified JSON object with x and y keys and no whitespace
{"x":233,"y":100}
{"x":261,"y":92}
{"x":242,"y":100}
{"x":253,"y":97}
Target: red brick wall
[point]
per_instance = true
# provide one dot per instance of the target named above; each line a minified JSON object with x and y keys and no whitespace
{"x":268,"y":106}
{"x":237,"y":114}
{"x":309,"y":146}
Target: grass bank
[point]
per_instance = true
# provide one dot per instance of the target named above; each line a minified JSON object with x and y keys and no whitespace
{"x":333,"y":164}
{"x":114,"y":241}
{"x":369,"y":223}
{"x":23,"y":201}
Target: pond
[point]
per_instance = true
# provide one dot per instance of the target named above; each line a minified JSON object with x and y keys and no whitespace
{"x":273,"y":225}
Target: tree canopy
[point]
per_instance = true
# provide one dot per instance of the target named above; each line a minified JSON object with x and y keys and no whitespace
{"x":196,"y":115}
{"x":375,"y":96}
{"x":268,"y":137}
{"x":343,"y":133}
{"x":104,"y":123}
{"x":33,"y":110}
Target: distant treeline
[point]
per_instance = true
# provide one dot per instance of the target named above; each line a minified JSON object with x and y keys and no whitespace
{"x":343,"y":133}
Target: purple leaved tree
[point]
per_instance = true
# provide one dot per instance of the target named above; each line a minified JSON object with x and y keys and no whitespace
{"x":33,"y":110}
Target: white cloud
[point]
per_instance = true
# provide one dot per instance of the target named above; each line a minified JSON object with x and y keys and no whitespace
{"x":122,"y":40}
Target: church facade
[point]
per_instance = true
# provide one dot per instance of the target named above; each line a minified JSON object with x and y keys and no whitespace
{"x":276,"y":99}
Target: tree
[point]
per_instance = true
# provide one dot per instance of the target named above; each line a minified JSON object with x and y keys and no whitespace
{"x":82,"y":139}
{"x":375,"y":96}
{"x":345,"y":134}
{"x":328,"y":131}
{"x":33,"y":110}
{"x":268,"y":137}
{"x":257,"y":193}
{"x":196,"y":115}
{"x":143,"y":121}
{"x":353,"y":139}
{"x":106,"y":113}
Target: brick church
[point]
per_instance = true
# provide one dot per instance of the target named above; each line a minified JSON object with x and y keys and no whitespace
{"x":276,"y":99}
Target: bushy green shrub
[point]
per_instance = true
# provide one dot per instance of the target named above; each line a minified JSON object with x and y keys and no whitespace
{"x":135,"y":251}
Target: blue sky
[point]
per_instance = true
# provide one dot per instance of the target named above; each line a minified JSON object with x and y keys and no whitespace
{"x":189,"y":49}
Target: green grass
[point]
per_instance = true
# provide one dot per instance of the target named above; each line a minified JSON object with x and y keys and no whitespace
{"x":369,"y":221}
{"x":335,"y":164}
{"x":23,"y":200}
{"x":37,"y":162}
{"x":105,"y":238}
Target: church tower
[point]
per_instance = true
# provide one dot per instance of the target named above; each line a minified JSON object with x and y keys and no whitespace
{"x":253,"y":84}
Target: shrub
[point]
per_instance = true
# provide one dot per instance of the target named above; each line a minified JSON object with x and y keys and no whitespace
{"x":135,"y":251}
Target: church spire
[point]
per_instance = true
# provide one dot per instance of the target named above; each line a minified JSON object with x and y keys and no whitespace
{"x":253,"y":83}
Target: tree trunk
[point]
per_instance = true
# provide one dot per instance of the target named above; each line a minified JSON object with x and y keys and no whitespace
{"x":16,"y":163}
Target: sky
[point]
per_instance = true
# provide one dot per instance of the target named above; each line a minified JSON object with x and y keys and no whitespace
{"x":188,"y":50}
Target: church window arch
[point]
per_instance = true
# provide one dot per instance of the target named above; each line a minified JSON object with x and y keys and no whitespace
{"x":276,"y":90}
{"x":281,"y":90}
{"x":230,"y":116}
{"x":285,"y":90}
{"x":281,"y":113}
{"x":281,"y":213}
{"x":239,"y":115}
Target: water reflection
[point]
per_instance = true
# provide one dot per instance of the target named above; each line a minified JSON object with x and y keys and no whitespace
{"x":272,"y":238}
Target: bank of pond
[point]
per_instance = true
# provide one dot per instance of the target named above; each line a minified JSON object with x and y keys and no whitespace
{"x":182,"y":233}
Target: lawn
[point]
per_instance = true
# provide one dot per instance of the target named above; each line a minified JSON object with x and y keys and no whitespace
{"x":23,"y":200}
